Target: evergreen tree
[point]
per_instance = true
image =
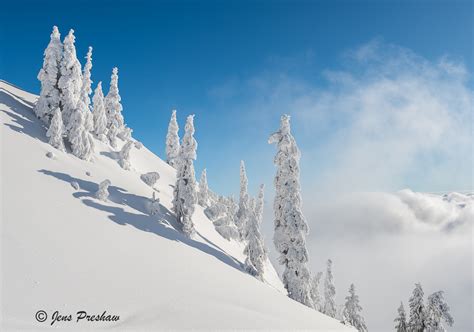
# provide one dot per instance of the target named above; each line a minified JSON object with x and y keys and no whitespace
{"x":290,"y":224}
{"x":401,"y":320}
{"x":153,"y":205}
{"x":99,"y":115}
{"x":223,"y":210}
{"x":172,"y":142}
{"x":86,"y":90}
{"x":185,"y":196}
{"x":81,"y":140}
{"x":436,"y":310}
{"x":70,"y":82}
{"x":329,"y":307}
{"x":417,"y":319}
{"x":103,"y":192}
{"x":203,"y":193}
{"x":49,"y":74}
{"x":244,"y":210}
{"x":315,"y":292}
{"x":255,"y":250}
{"x":55,"y":131}
{"x":352,"y":311}
{"x":124,"y":154}
{"x":113,"y":110}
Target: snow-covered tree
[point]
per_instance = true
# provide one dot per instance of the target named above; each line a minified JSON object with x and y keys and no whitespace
{"x":153,"y":205}
{"x":113,"y":109}
{"x":436,"y":310}
{"x":290,"y":224}
{"x":56,"y":130}
{"x":329,"y":307}
{"x":82,"y":142}
{"x":315,"y":291}
{"x":99,"y":115}
{"x":352,"y":311}
{"x":417,"y":319}
{"x":255,"y":249}
{"x":86,"y":90}
{"x":172,"y":141}
{"x":124,"y":154}
{"x":243,"y":212}
{"x":49,"y":74}
{"x":103,"y":192}
{"x":401,"y":324}
{"x":185,"y":196}
{"x":203,"y":193}
{"x":70,"y":82}
{"x":223,"y":210}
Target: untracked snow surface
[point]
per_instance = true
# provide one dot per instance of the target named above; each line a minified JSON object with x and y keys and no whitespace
{"x":64,"y":250}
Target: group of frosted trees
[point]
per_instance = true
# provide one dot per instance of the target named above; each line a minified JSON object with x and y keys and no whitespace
{"x":233,"y":221}
{"x":64,"y":104}
{"x":423,"y":317}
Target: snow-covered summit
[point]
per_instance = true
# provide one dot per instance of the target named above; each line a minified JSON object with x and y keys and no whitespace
{"x":65,"y":250}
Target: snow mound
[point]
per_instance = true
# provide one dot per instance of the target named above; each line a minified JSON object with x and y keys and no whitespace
{"x":64,"y":250}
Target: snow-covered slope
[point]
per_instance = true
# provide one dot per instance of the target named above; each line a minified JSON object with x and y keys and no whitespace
{"x":63,"y":250}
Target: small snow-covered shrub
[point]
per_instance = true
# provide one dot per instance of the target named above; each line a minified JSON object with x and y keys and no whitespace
{"x":150,"y":178}
{"x":153,"y":205}
{"x":75,"y":185}
{"x":50,"y":155}
{"x":103,"y":192}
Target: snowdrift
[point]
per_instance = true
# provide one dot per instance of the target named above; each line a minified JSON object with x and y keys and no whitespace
{"x":63,"y":250}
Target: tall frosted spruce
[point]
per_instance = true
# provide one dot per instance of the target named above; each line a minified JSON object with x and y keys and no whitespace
{"x":172,"y":141}
{"x":244,"y":210}
{"x":329,"y":307}
{"x":113,"y":109}
{"x":437,"y":310}
{"x":49,"y":74}
{"x":417,"y":319}
{"x":290,"y":224}
{"x":86,"y":90}
{"x":203,"y":193}
{"x":315,"y":291}
{"x":255,"y":250}
{"x":401,"y":324}
{"x":70,"y":82}
{"x":185,"y":196}
{"x":351,"y":313}
{"x":99,"y":115}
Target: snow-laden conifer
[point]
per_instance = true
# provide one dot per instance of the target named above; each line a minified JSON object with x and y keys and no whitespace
{"x":56,"y":130}
{"x":401,"y":324}
{"x":203,"y":193}
{"x":223,"y":210}
{"x":103,"y":192}
{"x":49,"y":74}
{"x":351,"y":314}
{"x":82,"y":142}
{"x":437,"y":310}
{"x":113,"y":109}
{"x":417,"y":319}
{"x":185,"y":196}
{"x":316,"y":292}
{"x":70,"y":82}
{"x":124,"y":154}
{"x":99,"y":115}
{"x":329,"y":307}
{"x":255,"y":249}
{"x":290,"y":224}
{"x":243,"y":213}
{"x":153,"y":205}
{"x":86,"y":90}
{"x":172,"y":141}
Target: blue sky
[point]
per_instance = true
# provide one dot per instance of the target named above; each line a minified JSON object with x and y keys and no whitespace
{"x":239,"y":64}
